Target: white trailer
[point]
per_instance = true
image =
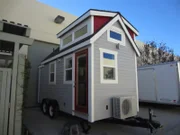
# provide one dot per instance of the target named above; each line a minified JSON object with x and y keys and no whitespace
{"x":159,"y":83}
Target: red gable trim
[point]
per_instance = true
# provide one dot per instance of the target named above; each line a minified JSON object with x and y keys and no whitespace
{"x":99,"y":22}
{"x":130,"y":32}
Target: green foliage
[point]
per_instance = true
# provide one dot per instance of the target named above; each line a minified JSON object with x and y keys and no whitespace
{"x":26,"y":75}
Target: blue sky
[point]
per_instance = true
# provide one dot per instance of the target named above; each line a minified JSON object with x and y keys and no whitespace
{"x":157,"y":20}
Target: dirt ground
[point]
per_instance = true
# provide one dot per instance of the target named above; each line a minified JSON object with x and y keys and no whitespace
{"x":169,"y":116}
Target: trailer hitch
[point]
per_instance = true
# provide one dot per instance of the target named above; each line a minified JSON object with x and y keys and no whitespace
{"x":149,"y":123}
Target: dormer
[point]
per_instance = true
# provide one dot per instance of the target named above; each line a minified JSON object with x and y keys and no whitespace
{"x":90,"y":23}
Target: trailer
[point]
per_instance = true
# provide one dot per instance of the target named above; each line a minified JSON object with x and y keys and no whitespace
{"x":160,"y":83}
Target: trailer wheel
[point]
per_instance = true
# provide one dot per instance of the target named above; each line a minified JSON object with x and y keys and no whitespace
{"x":53,"y":110}
{"x":44,"y":107}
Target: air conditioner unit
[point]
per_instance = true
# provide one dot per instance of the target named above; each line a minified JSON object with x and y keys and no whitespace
{"x":124,"y":107}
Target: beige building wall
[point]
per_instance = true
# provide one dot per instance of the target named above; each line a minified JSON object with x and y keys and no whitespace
{"x":38,"y":16}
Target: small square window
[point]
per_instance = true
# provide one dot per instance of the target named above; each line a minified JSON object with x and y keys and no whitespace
{"x":109,"y":73}
{"x":115,"y":35}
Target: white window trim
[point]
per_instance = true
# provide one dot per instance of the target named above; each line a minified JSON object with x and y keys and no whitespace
{"x":78,"y":28}
{"x":88,"y":23}
{"x":54,"y":72}
{"x":102,"y":65}
{"x":64,"y":46}
{"x":118,"y":30}
{"x":65,"y":58}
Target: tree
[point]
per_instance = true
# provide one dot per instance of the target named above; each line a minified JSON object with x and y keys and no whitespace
{"x":154,"y":53}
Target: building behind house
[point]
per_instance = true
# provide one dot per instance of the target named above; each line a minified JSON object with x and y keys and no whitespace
{"x":155,"y":53}
{"x":40,"y":18}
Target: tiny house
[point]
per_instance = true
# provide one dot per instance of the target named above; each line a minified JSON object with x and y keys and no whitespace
{"x":94,"y":64}
{"x":160,"y":83}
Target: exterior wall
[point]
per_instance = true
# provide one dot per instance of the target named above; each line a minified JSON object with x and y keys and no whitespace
{"x":36,"y":53}
{"x":126,"y":76}
{"x":99,"y":22}
{"x":38,"y":16}
{"x":59,"y":91}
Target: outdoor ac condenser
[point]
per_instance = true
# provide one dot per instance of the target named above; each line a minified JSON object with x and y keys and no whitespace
{"x":124,"y":107}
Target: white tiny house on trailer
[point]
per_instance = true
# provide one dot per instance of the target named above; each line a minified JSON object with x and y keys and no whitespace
{"x":160,"y":83}
{"x":95,"y":62}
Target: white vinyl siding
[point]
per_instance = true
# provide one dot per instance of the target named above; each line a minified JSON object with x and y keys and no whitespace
{"x":52,"y":73}
{"x":81,"y":32}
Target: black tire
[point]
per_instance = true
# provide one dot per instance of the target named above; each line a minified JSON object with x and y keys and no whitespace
{"x":53,"y":110}
{"x":44,"y":107}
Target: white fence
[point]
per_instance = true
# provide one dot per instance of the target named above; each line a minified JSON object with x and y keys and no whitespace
{"x":5,"y":80}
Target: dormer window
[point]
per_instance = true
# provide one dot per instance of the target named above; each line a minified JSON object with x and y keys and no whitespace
{"x":82,"y":31}
{"x":67,"y":40}
{"x":116,"y":35}
{"x":76,"y":34}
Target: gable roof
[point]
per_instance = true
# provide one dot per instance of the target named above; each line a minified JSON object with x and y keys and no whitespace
{"x":92,"y":38}
{"x":116,"y":18}
{"x":96,"y":12}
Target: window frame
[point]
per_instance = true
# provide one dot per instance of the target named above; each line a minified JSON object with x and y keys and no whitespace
{"x":119,"y":31}
{"x":79,"y":28}
{"x":62,"y":46}
{"x":106,"y":81}
{"x":65,"y":58}
{"x":54,"y":82}
{"x":66,"y":37}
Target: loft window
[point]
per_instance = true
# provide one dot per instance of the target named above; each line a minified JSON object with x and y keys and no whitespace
{"x":108,"y":63}
{"x":52,"y":73}
{"x":80,"y":32}
{"x":68,"y":69}
{"x":67,"y":40}
{"x":116,"y":35}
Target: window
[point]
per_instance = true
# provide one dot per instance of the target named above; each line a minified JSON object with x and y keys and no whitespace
{"x":68,"y":69}
{"x":80,"y":32}
{"x":67,"y":40}
{"x":108,"y":63}
{"x":116,"y":35}
{"x":52,"y":73}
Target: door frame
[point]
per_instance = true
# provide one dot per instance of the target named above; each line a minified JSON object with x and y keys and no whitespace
{"x":78,"y":108}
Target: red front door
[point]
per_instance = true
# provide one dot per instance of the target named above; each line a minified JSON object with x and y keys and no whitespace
{"x":81,"y":81}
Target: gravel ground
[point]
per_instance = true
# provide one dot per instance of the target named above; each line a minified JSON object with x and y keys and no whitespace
{"x":169,"y":116}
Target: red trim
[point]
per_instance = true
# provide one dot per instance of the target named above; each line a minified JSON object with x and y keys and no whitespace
{"x":131,"y":32}
{"x":99,"y":22}
{"x":80,"y":108}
